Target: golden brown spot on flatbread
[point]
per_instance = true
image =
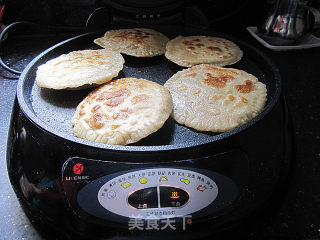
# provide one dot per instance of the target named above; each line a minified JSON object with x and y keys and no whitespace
{"x":92,"y":95}
{"x":216,"y":97}
{"x":94,"y":58}
{"x":190,"y":48}
{"x":110,"y":95}
{"x":82,"y":112}
{"x":231,"y":97}
{"x":63,"y":61}
{"x":79,"y":67}
{"x":182,"y":88}
{"x":123,"y":113}
{"x":78,"y":53}
{"x":114,"y":126}
{"x":137,"y":36}
{"x":141,"y":85}
{"x":127,"y":110}
{"x":218,"y":82}
{"x":187,"y":43}
{"x":103,"y":63}
{"x":116,"y":101}
{"x":226,"y":46}
{"x":215,"y":49}
{"x":242,"y":101}
{"x":191,"y":75}
{"x":120,"y":115}
{"x":221,"y":71}
{"x":96,"y":121}
{"x":247,"y":87}
{"x":139,"y":98}
{"x":200,"y":45}
{"x":80,"y":58}
{"x":96,"y":108}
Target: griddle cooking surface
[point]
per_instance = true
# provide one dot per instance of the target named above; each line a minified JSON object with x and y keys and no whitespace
{"x":53,"y":109}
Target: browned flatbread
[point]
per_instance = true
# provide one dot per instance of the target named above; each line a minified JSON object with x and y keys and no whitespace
{"x":138,"y":42}
{"x":193,"y":50}
{"x":122,"y":111}
{"x":210,"y":98}
{"x":80,"y":69}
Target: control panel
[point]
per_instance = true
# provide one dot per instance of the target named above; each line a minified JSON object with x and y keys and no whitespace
{"x":162,"y":192}
{"x":104,"y":192}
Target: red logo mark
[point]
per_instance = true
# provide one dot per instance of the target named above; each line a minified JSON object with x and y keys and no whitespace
{"x":78,"y":168}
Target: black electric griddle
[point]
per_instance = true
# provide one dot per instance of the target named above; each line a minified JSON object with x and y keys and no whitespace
{"x":52,"y":110}
{"x":249,"y":164}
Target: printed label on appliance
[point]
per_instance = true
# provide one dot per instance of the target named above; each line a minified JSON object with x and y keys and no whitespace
{"x":161,"y":192}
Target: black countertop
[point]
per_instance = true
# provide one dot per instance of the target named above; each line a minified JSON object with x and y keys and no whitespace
{"x":299,"y":216}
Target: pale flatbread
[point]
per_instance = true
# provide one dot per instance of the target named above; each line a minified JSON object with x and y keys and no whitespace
{"x":210,"y":98}
{"x":122,"y":111}
{"x":194,"y":50}
{"x":80,"y":69}
{"x":138,"y":42}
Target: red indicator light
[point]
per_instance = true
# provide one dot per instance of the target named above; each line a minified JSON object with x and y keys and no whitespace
{"x":78,"y":168}
{"x":201,"y":188}
{"x":174,"y":195}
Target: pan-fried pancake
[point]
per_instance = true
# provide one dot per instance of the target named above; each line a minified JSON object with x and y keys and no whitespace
{"x":122,"y":111}
{"x":210,"y":98}
{"x":138,"y":42}
{"x":194,"y":50}
{"x":80,"y":69}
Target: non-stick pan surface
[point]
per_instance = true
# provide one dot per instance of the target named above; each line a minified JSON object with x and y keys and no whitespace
{"x":52,"y":110}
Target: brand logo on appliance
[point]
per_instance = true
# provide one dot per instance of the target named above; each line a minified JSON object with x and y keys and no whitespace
{"x":78,"y":168}
{"x":77,"y":178}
